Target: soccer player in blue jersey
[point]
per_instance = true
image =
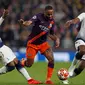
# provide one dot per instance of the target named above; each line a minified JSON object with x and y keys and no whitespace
{"x":43,"y":26}
{"x":9,"y":59}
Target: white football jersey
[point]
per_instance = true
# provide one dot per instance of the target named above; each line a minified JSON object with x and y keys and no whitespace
{"x":81,"y":33}
{"x":6,"y":54}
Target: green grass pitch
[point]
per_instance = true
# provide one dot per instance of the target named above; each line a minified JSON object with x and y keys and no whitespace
{"x":38,"y":72}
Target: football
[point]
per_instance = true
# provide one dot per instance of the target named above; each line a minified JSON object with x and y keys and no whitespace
{"x":63,"y":74}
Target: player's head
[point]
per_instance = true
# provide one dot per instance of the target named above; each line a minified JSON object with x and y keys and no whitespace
{"x":48,"y":12}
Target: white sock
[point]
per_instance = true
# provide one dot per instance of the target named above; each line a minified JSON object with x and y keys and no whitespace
{"x":3,"y":70}
{"x":24,"y":72}
{"x":73,"y":64}
{"x":72,"y":67}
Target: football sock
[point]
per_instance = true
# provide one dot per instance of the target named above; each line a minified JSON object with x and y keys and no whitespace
{"x":23,"y":71}
{"x":50,"y":71}
{"x":73,"y":64}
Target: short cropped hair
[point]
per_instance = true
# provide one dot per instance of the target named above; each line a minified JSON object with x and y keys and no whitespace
{"x":48,"y":7}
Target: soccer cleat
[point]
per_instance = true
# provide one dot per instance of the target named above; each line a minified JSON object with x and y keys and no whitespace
{"x":49,"y":82}
{"x":65,"y":82}
{"x":70,"y":74}
{"x":32,"y":81}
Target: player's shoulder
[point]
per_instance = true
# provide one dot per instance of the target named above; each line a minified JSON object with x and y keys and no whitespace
{"x":82,"y":14}
{"x":38,"y":15}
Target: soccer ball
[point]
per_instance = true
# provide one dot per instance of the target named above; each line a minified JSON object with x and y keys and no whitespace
{"x":63,"y":74}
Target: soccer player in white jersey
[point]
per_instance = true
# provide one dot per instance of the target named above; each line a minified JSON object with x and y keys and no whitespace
{"x":9,"y":59}
{"x":79,"y":45}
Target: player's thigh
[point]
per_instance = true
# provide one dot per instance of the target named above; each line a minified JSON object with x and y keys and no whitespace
{"x":43,"y":47}
{"x":11,"y":63}
{"x":7,"y":55}
{"x":46,"y":50}
{"x":30,"y":55}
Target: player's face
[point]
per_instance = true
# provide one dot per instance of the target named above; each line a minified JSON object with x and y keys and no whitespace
{"x":49,"y":14}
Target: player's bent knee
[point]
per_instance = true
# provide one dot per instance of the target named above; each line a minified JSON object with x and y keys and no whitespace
{"x":28,"y":64}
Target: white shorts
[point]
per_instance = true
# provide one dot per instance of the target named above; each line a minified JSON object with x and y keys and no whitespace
{"x":6,"y":54}
{"x":77,"y":44}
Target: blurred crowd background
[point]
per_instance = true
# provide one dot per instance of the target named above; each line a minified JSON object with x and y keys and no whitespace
{"x":16,"y":36}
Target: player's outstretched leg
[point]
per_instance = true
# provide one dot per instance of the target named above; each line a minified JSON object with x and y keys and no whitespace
{"x":75,"y":61}
{"x":71,"y":70}
{"x":77,"y":70}
{"x":24,"y":72}
{"x":73,"y":66}
{"x":49,"y":55}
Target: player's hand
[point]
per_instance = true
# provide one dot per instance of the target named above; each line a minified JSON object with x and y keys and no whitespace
{"x":67,"y":24}
{"x":5,"y":13}
{"x":21,"y":21}
{"x":57,"y":42}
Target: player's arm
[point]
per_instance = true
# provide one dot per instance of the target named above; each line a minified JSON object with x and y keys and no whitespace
{"x":25,"y":23}
{"x":70,"y":22}
{"x":75,"y":21}
{"x":5,"y":14}
{"x":29,"y":22}
{"x":53,"y":36}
